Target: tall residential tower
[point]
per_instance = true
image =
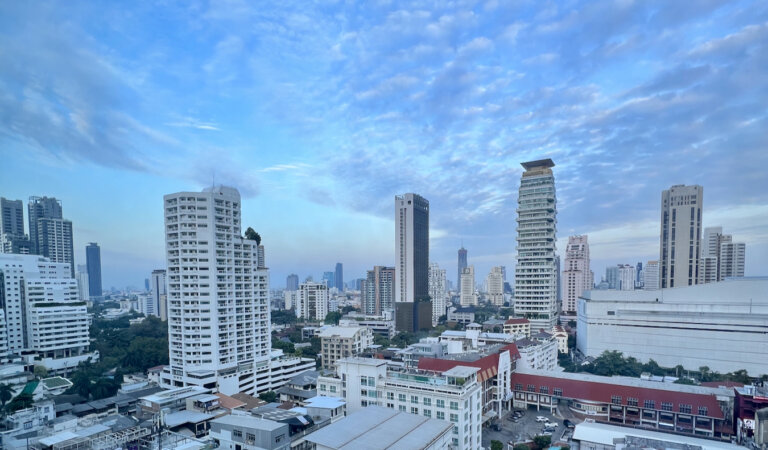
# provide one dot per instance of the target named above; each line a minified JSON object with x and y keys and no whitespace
{"x":578,"y":277}
{"x":462,"y":265}
{"x":411,"y":262}
{"x":680,"y":235}
{"x":93,"y":263}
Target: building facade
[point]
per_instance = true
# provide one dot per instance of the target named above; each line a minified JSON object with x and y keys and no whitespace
{"x":341,"y":342}
{"x":292,"y":282}
{"x":338,"y":277}
{"x":680,"y":235}
{"x":12,"y":237}
{"x":157,"y":291}
{"x":651,"y":276}
{"x":495,"y":286}
{"x":462,"y":264}
{"x":535,"y":277}
{"x":468,"y":297}
{"x":93,"y":263}
{"x":411,"y":259}
{"x":438,"y":292}
{"x":218,"y":294}
{"x":578,"y":277}
{"x":627,"y":277}
{"x":312,"y":301}
{"x":731,"y":260}
{"x":378,"y":290}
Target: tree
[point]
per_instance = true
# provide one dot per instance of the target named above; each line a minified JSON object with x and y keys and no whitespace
{"x":521,"y":447}
{"x":542,"y":441}
{"x":572,"y":323}
{"x":332,"y":318}
{"x":284,"y":317}
{"x":253,"y":235}
{"x":269,"y":396}
{"x":6,"y":393}
{"x":40,"y":372}
{"x":348,"y":309}
{"x":497,"y":445}
{"x":21,"y":401}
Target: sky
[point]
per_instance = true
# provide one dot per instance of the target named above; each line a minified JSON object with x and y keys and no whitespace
{"x":319,"y":113}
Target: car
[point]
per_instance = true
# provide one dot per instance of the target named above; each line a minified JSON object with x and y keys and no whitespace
{"x":550,"y":425}
{"x":541,"y":419}
{"x":568,"y":424}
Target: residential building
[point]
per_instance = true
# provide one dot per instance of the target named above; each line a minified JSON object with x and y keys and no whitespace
{"x":82,"y":283}
{"x":684,"y":409}
{"x":377,"y":428}
{"x":627,"y":277}
{"x":41,"y":208}
{"x":339,"y":277}
{"x":12,"y":237}
{"x":330,"y":279}
{"x":383,"y":325}
{"x":243,"y":432}
{"x":561,"y":336}
{"x":41,"y":315}
{"x":280,"y":370}
{"x":462,"y":265}
{"x":93,"y":263}
{"x":291,"y":300}
{"x":612,"y":277}
{"x":535,"y":277}
{"x":518,"y":327}
{"x":377,"y":292}
{"x":721,"y":258}
{"x":639,"y":275}
{"x":292,"y":282}
{"x":50,"y":234}
{"x":411,"y":261}
{"x":453,"y":395}
{"x":312,"y":301}
{"x":341,"y":342}
{"x":438,"y":292}
{"x":692,"y":326}
{"x":680,"y":235}
{"x":538,"y":352}
{"x":158,"y":293}
{"x":218,"y":294}
{"x":495,"y":286}
{"x":468,"y":296}
{"x":11,"y":243}
{"x":465,"y":315}
{"x":578,"y":276}
{"x":300,"y":388}
{"x":731,"y":260}
{"x":750,"y":401}
{"x":651,"y":276}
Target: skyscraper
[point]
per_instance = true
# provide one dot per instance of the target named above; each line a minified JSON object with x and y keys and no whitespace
{"x":158,"y":293}
{"x":41,"y":208}
{"x":50,"y":234}
{"x":12,"y":237}
{"x":462,"y":265}
{"x":639,"y":275}
{"x":292,"y":282}
{"x":330,"y":279}
{"x":495,"y":284}
{"x":467,"y":295}
{"x":731,"y":260}
{"x":720,"y":256}
{"x":378,"y":290}
{"x":612,"y":277}
{"x":339,"y":277}
{"x":535,"y":277}
{"x":411,"y":261}
{"x":82,"y":282}
{"x":578,"y":276}
{"x":218,"y":294}
{"x":651,"y":276}
{"x":680,"y":236}
{"x":627,"y":277}
{"x":438,"y":292}
{"x":312,"y":301}
{"x":93,"y":262}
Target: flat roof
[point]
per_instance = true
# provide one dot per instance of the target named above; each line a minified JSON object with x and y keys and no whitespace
{"x":182,"y":417}
{"x":601,"y":433}
{"x":376,"y":427}
{"x":538,"y":163}
{"x":249,"y":421}
{"x":461,"y":371}
{"x":325,"y":402}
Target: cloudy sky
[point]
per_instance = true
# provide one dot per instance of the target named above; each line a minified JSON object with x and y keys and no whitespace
{"x":319,"y":113}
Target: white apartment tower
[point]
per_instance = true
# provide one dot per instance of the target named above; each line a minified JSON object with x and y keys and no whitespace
{"x":720,"y":256}
{"x":578,"y":277}
{"x":82,"y":282}
{"x":312,"y":301}
{"x":535,"y":273}
{"x":680,"y":235}
{"x":651,"y":276}
{"x":495,"y":285}
{"x":467,"y":295}
{"x":438,"y":292}
{"x":627,"y":275}
{"x":217,"y":293}
{"x":158,"y":293}
{"x":731,"y":260}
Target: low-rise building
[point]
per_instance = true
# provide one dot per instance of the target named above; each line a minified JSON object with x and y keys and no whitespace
{"x":341,"y":342}
{"x":537,"y":354}
{"x":749,"y":400}
{"x":518,"y":327}
{"x":383,"y":325}
{"x":561,"y":336}
{"x":300,"y":388}
{"x":240,"y":432}
{"x":601,"y":436}
{"x":461,"y":315}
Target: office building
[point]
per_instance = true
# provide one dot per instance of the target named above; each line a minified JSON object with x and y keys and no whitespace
{"x":577,"y":274}
{"x":292,"y":282}
{"x":11,"y":217}
{"x":82,"y":283}
{"x":158,"y":293}
{"x":680,"y":235}
{"x":692,"y":326}
{"x":339,"y":277}
{"x":535,"y":277}
{"x":42,"y":316}
{"x":341,"y":342}
{"x":453,"y":395}
{"x":93,"y":262}
{"x":438,"y":292}
{"x":50,"y":234}
{"x":495,"y":285}
{"x":377,"y":292}
{"x":627,"y":277}
{"x":330,"y":279}
{"x":41,"y":208}
{"x":312,"y":301}
{"x":411,"y":261}
{"x":218,"y":294}
{"x":467,"y":295}
{"x":612,"y":277}
{"x":462,"y":265}
{"x":639,"y":276}
{"x":651,"y":276}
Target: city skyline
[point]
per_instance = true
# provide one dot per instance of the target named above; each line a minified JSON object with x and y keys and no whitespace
{"x":332,"y":118}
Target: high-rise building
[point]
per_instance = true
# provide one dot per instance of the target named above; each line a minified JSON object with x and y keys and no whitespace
{"x":146,"y":284}
{"x":292,"y":282}
{"x":218,"y":294}
{"x":411,"y":260}
{"x":462,"y":265}
{"x":495,"y":285}
{"x":339,"y":277}
{"x":612,"y":277}
{"x":651,"y":276}
{"x":377,"y":291}
{"x":41,"y":208}
{"x":639,"y":275}
{"x":627,"y":277}
{"x":720,"y":256}
{"x":680,"y":248}
{"x":42,"y":316}
{"x":535,"y":277}
{"x":731,"y":260}
{"x":312,"y":301}
{"x":50,"y":234}
{"x":158,"y":293}
{"x":467,"y":296}
{"x":558,"y":283}
{"x":438,"y":292}
{"x":330,"y":279}
{"x":12,"y":237}
{"x":578,"y":276}
{"x":82,"y":282}
{"x":93,"y":261}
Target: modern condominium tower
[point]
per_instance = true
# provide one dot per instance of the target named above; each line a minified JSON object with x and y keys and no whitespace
{"x":217,"y":294}
{"x":462,"y":265}
{"x":438,"y":291}
{"x":535,"y":273}
{"x":93,"y":262}
{"x":495,"y":285}
{"x":378,"y":290}
{"x":411,"y":262}
{"x":578,"y":277}
{"x":680,"y":235}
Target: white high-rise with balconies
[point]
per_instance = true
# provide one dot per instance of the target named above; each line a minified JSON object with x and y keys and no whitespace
{"x":535,"y":273}
{"x":438,"y":292}
{"x":680,"y":235}
{"x":578,"y":276}
{"x":627,"y":275}
{"x":651,"y":276}
{"x":495,"y":286}
{"x":467,"y":296}
{"x":217,"y":294}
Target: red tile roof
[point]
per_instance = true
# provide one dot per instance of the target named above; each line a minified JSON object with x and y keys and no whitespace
{"x":511,"y":321}
{"x":725,"y":384}
{"x":489,"y":365}
{"x":602,"y":392}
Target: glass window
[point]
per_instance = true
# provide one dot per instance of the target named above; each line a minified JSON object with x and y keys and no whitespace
{"x":414,"y":399}
{"x":440,"y":415}
{"x":427,"y":401}
{"x":455,"y":406}
{"x":558,"y":392}
{"x":428,"y":413}
{"x":518,"y":387}
{"x":441,"y":403}
{"x":649,"y":404}
{"x":685,"y":408}
{"x":702,"y":410}
{"x":454,"y":418}
{"x":401,"y":397}
{"x":631,"y":401}
{"x":666,"y":406}
{"x":414,"y":410}
{"x":616,"y":399}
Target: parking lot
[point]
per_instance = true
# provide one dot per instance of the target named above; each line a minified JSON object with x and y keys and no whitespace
{"x":523,"y":429}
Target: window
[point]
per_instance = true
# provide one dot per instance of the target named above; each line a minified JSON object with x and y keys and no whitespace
{"x":455,"y":406}
{"x":390,"y":395}
{"x":616,"y":399}
{"x":544,"y":389}
{"x":666,"y":406}
{"x":441,"y":403}
{"x":631,"y":401}
{"x":323,"y":388}
{"x":531,"y":388}
{"x":685,"y":408}
{"x":414,"y":410}
{"x":455,"y":429}
{"x":333,"y":388}
{"x":558,"y":392}
{"x":427,"y":401}
{"x":440,"y":415}
{"x":391,"y":405}
{"x":237,"y":433}
{"x":702,"y":410}
{"x":454,"y":418}
{"x":428,"y":413}
{"x":414,"y":399}
{"x":401,"y":408}
{"x":518,"y":387}
{"x":401,"y":397}
{"x":250,"y":436}
{"x":649,"y":404}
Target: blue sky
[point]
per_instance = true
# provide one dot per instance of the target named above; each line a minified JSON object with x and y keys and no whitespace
{"x":319,"y":113}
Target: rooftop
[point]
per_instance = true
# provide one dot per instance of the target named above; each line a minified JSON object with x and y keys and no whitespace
{"x":516,"y":321}
{"x":248,"y":422}
{"x":602,"y":433}
{"x":182,"y":417}
{"x":342,"y":332}
{"x":325,"y":402}
{"x":540,"y":163}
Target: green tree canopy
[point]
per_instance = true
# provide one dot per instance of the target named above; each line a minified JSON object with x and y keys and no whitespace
{"x":269,"y":396}
{"x":497,"y":445}
{"x":6,"y":393}
{"x":332,"y":318}
{"x":542,"y":441}
{"x":253,"y":235}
